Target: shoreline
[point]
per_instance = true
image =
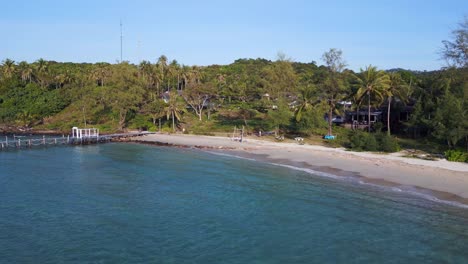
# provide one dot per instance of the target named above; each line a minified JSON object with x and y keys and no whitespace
{"x":445,"y":180}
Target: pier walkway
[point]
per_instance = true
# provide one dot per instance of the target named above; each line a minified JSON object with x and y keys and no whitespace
{"x":20,"y":142}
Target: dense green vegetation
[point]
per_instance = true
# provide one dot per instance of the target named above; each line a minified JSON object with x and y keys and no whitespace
{"x":289,"y":98}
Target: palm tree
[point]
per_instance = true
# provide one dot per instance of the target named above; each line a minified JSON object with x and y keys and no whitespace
{"x":149,"y":77}
{"x":174,"y":108}
{"x":144,"y":69}
{"x":372,"y":82}
{"x":185,"y":74}
{"x":162,"y":67}
{"x":42,"y":69}
{"x":195,"y":74}
{"x":174,"y":72}
{"x":8,"y":68}
{"x":306,"y":97}
{"x":100,"y":73}
{"x":60,"y":80}
{"x":357,"y":102}
{"x":396,"y":88}
{"x":25,"y":71}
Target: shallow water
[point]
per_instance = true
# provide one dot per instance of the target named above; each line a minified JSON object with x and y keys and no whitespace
{"x":117,"y":203}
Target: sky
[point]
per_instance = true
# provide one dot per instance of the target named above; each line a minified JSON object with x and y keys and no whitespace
{"x":388,"y":34}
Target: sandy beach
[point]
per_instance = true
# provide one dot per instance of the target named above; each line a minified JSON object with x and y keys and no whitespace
{"x":448,"y":179}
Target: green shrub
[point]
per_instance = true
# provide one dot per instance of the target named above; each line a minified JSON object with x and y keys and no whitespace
{"x":359,"y":140}
{"x":370,"y":143}
{"x":140,"y":122}
{"x":456,"y":155}
{"x":388,"y":143}
{"x":356,"y":140}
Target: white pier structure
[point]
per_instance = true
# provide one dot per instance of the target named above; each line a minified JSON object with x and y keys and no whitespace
{"x":79,"y":136}
{"x":81,"y":133}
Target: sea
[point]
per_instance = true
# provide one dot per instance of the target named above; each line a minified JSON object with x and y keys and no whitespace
{"x":133,"y":203}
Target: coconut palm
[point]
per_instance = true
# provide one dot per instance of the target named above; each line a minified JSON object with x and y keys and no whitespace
{"x":397,"y":88}
{"x":174,"y":73}
{"x":101,"y":73}
{"x":41,"y":72}
{"x":162,"y":68}
{"x":174,"y":108}
{"x":59,"y":80}
{"x":8,"y":68}
{"x":372,"y":82}
{"x":25,"y":71}
{"x":306,"y":98}
{"x":147,"y":74}
{"x":185,"y":75}
{"x":144,"y":69}
{"x":195,"y":74}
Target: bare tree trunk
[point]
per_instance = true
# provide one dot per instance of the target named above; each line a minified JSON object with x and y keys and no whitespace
{"x":122,"y":117}
{"x":388,"y":115}
{"x":330,"y":113}
{"x":368,"y":111}
{"x":357,"y":114}
{"x":173,"y":121}
{"x":84,"y":115}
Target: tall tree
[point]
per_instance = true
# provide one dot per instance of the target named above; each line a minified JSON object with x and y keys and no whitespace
{"x":307,"y":95}
{"x":8,"y":68}
{"x":42,"y":72}
{"x":124,"y":92}
{"x":155,"y":109}
{"x":280,"y":78}
{"x":450,"y":120}
{"x":455,"y":51}
{"x":173,"y":75}
{"x":25,"y":71}
{"x":101,"y":73}
{"x":197,"y":96}
{"x":174,"y":108}
{"x":396,"y":88}
{"x":162,"y":71}
{"x":280,"y":116}
{"x":372,"y":82}
{"x":334,"y":88}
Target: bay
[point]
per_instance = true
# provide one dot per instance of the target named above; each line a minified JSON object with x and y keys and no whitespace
{"x":129,"y":203}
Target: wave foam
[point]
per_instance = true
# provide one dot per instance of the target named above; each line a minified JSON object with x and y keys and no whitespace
{"x":401,"y":189}
{"x":230,"y":155}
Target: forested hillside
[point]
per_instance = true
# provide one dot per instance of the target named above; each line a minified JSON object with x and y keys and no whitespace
{"x":282,"y":96}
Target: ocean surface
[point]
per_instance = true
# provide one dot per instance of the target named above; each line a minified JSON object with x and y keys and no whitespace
{"x":129,"y":203}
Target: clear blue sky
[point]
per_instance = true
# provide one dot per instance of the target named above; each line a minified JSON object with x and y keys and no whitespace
{"x":388,"y":34}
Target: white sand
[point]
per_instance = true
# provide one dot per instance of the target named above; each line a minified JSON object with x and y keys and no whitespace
{"x":441,"y":175}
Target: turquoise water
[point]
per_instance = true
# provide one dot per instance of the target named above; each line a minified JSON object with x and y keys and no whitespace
{"x":126,"y":203}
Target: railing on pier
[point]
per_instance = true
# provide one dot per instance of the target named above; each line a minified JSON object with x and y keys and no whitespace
{"x":18,"y":143}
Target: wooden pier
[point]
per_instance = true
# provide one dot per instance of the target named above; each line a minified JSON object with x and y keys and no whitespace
{"x":18,"y":142}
